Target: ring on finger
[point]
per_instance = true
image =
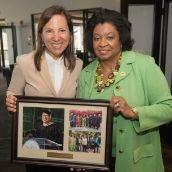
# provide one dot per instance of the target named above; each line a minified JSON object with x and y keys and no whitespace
{"x":116,"y":105}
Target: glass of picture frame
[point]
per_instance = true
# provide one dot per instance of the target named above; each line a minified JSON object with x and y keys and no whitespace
{"x":78,"y":135}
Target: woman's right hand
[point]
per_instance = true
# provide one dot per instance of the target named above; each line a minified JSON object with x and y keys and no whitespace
{"x":11,"y":103}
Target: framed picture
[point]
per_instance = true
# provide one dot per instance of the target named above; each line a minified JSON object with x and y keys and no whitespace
{"x":62,"y":132}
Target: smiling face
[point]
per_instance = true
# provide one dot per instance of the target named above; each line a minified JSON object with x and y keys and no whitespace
{"x":56,"y":35}
{"x":106,"y":42}
{"x":46,"y":118}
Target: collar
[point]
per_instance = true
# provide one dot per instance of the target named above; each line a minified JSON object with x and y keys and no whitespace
{"x":46,"y":125}
{"x":51,"y":60}
{"x":128,"y":58}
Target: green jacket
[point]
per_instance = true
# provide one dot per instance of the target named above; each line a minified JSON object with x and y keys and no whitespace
{"x":136,"y":144}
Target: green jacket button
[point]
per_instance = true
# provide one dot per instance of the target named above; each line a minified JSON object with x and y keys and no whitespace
{"x":121,"y":151}
{"x":118,"y":87}
{"x":121,"y":130}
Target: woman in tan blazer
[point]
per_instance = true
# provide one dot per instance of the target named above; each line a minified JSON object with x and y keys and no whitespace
{"x":51,"y":70}
{"x":33,"y":74}
{"x":27,"y":80}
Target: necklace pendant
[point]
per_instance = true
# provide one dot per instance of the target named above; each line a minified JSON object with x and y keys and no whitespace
{"x":111,"y":81}
{"x":111,"y":75}
{"x":107,"y":84}
{"x":115,"y":73}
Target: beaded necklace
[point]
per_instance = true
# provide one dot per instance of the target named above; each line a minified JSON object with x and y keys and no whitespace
{"x":100,"y":83}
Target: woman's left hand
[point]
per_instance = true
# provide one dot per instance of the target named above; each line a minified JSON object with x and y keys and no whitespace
{"x":119,"y":104}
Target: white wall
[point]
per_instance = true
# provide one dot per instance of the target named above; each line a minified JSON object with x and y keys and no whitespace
{"x":142,"y":31}
{"x":10,"y":45}
{"x":141,"y":17}
{"x":16,"y":10}
{"x":20,"y":10}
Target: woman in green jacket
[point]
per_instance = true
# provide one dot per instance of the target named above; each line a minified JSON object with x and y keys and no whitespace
{"x":137,"y":88}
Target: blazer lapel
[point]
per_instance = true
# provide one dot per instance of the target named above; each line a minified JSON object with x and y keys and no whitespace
{"x":126,"y":67}
{"x":123,"y":72}
{"x":46,"y":76}
{"x":90,"y":81}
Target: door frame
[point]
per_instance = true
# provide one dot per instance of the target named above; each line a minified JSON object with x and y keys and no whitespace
{"x":14,"y":43}
{"x":157,"y":22}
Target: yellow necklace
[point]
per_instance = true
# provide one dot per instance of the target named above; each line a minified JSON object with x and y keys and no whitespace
{"x":100,"y":83}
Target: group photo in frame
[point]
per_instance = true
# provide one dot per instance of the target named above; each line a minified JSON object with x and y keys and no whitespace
{"x":62,"y":132}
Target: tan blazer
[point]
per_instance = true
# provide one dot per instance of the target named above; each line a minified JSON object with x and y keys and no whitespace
{"x":26,"y":80}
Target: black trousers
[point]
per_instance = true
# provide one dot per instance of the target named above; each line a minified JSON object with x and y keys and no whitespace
{"x":43,"y":168}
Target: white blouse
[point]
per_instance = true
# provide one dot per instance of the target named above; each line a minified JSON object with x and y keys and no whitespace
{"x":56,"y":69}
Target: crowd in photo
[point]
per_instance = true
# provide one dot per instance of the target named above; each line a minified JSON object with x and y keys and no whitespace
{"x":82,"y":141}
{"x":88,"y":119}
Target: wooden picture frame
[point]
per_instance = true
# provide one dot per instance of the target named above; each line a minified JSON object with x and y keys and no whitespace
{"x":84,"y":129}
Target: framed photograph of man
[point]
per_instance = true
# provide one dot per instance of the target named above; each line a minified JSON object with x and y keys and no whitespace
{"x":62,"y":132}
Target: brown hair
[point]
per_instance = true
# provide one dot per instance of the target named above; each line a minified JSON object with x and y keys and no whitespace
{"x":47,"y":14}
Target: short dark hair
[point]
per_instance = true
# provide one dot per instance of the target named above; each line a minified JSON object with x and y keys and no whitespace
{"x":46,"y":110}
{"x":115,"y":18}
{"x":68,"y":53}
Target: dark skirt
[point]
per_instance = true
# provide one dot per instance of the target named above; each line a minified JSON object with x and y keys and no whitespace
{"x":43,"y":168}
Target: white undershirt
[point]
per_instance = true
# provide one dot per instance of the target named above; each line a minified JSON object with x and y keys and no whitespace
{"x":56,"y":67}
